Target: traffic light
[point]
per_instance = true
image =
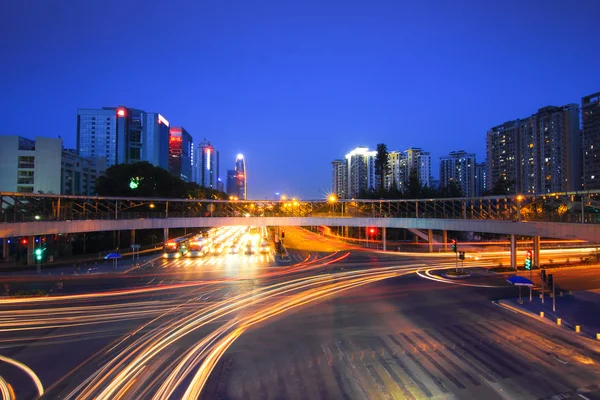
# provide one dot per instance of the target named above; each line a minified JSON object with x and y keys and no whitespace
{"x":23,"y":241}
{"x":454,"y":245}
{"x":372,"y":231}
{"x":528,"y":261}
{"x":282,"y":234}
{"x":550,"y":280}
{"x":461,"y":255}
{"x":38,"y":254}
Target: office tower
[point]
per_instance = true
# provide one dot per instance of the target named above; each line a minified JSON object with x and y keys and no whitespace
{"x":180,"y":153}
{"x":206,"y":167}
{"x":232,"y":189}
{"x":79,"y":174}
{"x":240,"y":177}
{"x":480,"y":179}
{"x":502,"y":154}
{"x":155,"y":146}
{"x":42,"y":166}
{"x":419,"y":161}
{"x":339,"y":178}
{"x":123,"y":135}
{"x":459,"y":167}
{"x":360,"y":163}
{"x":590,"y":141}
{"x":397,"y":171}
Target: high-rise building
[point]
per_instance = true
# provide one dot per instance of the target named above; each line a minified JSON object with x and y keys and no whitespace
{"x":123,"y":135}
{"x":480,"y":179}
{"x":206,"y":165}
{"x":361,"y":171}
{"x":419,"y":161}
{"x":43,"y":166}
{"x":502,"y":148}
{"x":180,"y":153}
{"x":155,"y":146}
{"x":538,"y":154}
{"x":339,"y":178}
{"x":459,"y":167}
{"x":590,"y":141}
{"x":397,"y":171}
{"x":241,"y":176}
{"x":232,"y":189}
{"x":79,"y":174}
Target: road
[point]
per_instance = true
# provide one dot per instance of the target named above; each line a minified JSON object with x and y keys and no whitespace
{"x":339,"y":323}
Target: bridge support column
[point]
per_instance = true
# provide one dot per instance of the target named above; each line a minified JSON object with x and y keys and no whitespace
{"x":513,"y":252}
{"x":445,"y":239}
{"x":383,"y":238}
{"x":165,"y":235}
{"x":5,"y":249}
{"x":430,"y":239}
{"x":536,"y":251}
{"x":30,"y":250}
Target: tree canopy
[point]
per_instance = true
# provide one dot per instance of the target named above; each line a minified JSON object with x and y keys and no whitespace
{"x":146,"y":180}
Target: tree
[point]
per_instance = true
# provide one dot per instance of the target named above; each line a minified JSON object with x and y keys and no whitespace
{"x":146,"y":180}
{"x":501,"y":188}
{"x":450,"y":190}
{"x":382,"y":168}
{"x":413,"y":186}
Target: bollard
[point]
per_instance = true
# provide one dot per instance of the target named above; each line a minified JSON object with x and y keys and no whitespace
{"x":597,"y":336}
{"x":558,"y":321}
{"x":541,"y":314}
{"x":577,"y":328}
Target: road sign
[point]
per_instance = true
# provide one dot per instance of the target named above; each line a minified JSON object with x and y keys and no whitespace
{"x":135,"y":246}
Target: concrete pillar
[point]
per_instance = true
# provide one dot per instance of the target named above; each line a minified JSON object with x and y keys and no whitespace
{"x":536,"y":251}
{"x":30,"y":250}
{"x":513,"y":252}
{"x":430,"y":239}
{"x":383,"y":238}
{"x":445,"y":239}
{"x":165,"y":235}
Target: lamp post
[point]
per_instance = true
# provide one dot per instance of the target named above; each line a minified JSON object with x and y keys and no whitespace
{"x":519,"y":200}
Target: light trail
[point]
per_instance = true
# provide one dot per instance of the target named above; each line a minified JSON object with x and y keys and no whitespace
{"x":28,"y":371}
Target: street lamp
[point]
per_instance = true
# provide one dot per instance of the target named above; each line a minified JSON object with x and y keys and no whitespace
{"x":519,"y":198}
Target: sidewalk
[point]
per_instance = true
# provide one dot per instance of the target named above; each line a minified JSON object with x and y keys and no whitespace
{"x":581,"y":308}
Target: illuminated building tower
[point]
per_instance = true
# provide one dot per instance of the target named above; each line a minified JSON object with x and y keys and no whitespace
{"x":180,"y":153}
{"x":123,"y":135}
{"x":240,"y":177}
{"x":340,"y":178}
{"x":361,"y":171}
{"x":206,"y":165}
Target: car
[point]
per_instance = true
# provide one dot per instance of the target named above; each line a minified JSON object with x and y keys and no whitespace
{"x":264,"y":247}
{"x":217,"y":249}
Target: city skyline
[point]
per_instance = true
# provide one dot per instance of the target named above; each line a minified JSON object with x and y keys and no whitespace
{"x":364,"y":78}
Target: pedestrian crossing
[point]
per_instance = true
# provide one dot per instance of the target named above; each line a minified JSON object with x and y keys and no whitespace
{"x":475,"y":360}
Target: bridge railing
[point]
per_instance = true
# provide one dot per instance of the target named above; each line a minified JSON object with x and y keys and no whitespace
{"x":570,"y":207}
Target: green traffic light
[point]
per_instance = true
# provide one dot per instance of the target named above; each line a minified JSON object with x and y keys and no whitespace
{"x":38,"y":252}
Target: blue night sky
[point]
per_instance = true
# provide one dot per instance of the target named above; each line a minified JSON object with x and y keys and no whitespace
{"x":295,"y":84}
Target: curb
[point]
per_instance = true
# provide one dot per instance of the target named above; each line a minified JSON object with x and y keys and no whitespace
{"x":546,"y":320}
{"x":456,"y":277}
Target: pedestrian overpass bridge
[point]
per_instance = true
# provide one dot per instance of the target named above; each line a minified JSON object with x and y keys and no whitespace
{"x":568,"y":215}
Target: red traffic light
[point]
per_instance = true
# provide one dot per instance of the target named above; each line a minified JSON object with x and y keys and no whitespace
{"x":372,"y":230}
{"x":453,"y":241}
{"x":529,"y":253}
{"x":23,"y":241}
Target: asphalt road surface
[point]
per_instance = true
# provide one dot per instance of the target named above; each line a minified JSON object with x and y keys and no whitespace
{"x":338,"y":323}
